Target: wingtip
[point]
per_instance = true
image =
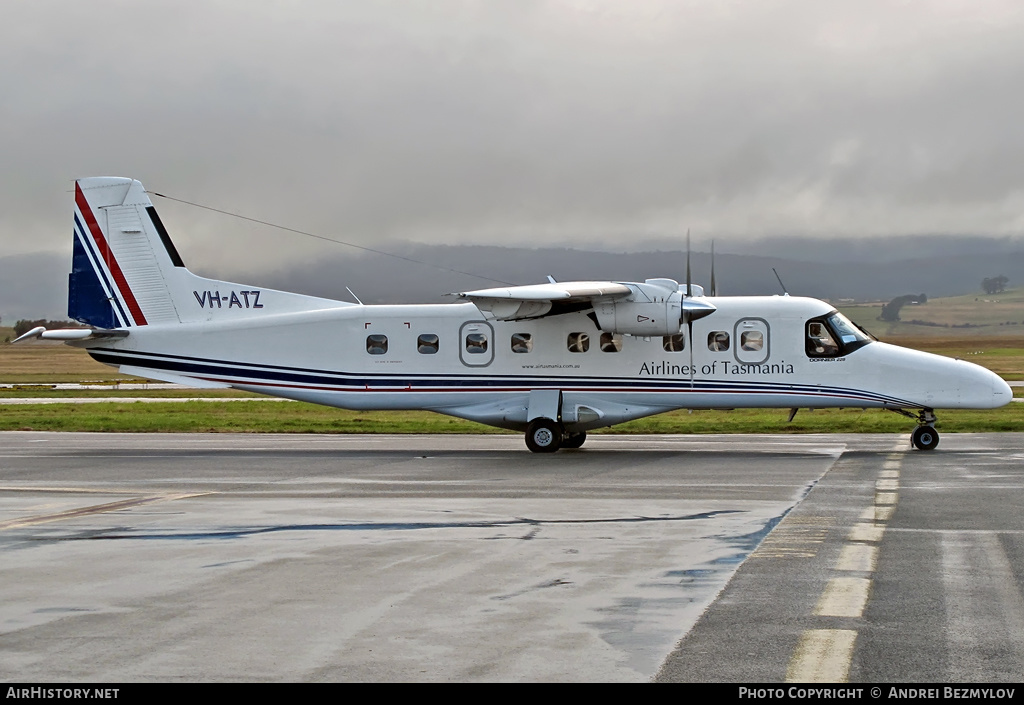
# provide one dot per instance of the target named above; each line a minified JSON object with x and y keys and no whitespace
{"x":34,"y":333}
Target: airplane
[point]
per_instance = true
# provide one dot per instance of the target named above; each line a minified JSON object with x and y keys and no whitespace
{"x":551,"y":360}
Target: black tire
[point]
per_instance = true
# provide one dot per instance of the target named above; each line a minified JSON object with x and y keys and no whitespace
{"x":574,"y":440}
{"x":925,"y":438}
{"x":544,"y":436}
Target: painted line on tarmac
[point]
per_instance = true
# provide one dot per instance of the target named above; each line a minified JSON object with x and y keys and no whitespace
{"x":63,"y":490}
{"x":95,"y":509}
{"x":844,"y":597}
{"x":858,"y":558}
{"x":825,"y":655}
{"x":822,"y":656}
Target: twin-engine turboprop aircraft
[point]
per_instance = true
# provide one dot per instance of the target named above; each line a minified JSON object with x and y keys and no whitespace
{"x":554,"y":360}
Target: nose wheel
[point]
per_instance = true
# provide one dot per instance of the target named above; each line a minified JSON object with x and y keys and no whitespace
{"x":925,"y":438}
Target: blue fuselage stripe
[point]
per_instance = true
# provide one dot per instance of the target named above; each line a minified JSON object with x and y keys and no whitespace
{"x":249,"y":373}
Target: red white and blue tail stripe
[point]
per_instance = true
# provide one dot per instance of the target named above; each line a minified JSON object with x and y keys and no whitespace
{"x":98,"y":291}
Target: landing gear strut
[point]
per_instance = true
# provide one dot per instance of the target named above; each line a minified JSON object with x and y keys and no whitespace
{"x":925,"y":437}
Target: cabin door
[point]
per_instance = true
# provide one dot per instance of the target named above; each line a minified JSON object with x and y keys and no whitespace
{"x":476,"y":344}
{"x":752,"y":344}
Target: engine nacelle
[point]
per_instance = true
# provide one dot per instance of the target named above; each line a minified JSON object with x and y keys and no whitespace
{"x":654,"y":308}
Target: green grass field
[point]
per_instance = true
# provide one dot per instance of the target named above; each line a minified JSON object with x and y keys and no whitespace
{"x":973,"y":315}
{"x":258,"y":416}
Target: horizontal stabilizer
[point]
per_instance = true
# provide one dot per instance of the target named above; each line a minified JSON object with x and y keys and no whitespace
{"x":70,"y":334}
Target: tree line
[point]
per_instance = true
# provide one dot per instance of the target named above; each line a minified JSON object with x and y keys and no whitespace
{"x":994,"y":285}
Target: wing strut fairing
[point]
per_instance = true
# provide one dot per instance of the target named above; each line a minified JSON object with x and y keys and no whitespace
{"x":653,"y":307}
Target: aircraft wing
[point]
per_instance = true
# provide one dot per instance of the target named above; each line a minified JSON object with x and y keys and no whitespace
{"x":516,"y":303}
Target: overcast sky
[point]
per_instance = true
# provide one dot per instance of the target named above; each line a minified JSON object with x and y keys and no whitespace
{"x":575,"y":123}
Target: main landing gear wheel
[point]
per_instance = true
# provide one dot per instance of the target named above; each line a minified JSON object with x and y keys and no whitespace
{"x":925,"y":438}
{"x":544,"y":436}
{"x":574,"y":440}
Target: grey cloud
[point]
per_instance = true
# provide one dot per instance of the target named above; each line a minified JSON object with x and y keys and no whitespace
{"x":522,"y":123}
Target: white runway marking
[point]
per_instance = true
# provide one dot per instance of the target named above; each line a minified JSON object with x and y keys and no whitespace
{"x":822,"y":656}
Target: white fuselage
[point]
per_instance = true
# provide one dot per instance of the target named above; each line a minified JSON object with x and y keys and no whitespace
{"x":449,"y":358}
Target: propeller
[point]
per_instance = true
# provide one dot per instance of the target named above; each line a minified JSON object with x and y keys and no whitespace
{"x":682,"y":309}
{"x":691,"y":310}
{"x":689,"y":281}
{"x":714,"y":291}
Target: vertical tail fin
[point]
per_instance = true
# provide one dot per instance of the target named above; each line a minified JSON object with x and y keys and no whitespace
{"x":127,"y":273}
{"x":118,"y":278}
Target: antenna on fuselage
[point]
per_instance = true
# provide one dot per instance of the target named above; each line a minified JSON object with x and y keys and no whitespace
{"x":784,"y":291}
{"x":354,"y":296}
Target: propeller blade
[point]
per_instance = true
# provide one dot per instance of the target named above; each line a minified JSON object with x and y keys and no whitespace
{"x":689,"y":344}
{"x":714,"y":291}
{"x":689,"y":280}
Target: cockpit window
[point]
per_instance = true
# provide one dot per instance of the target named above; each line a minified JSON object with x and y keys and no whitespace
{"x":846,"y":329}
{"x":820,"y":342}
{"x":834,"y":335}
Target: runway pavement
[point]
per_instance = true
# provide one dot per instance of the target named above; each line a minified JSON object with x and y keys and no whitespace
{"x":439,"y":558}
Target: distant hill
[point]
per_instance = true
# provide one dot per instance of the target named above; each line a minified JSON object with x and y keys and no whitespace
{"x":34,"y":286}
{"x":384,"y":280}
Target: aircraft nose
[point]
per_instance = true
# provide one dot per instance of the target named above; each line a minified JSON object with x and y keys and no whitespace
{"x":988,"y":389}
{"x":1001,"y":390}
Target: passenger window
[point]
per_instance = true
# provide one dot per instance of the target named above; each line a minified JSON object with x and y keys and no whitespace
{"x":820,"y":342}
{"x":427,"y":344}
{"x":673,"y":343}
{"x":751,"y":340}
{"x":718,"y":341}
{"x":611,"y":342}
{"x":377,"y":344}
{"x":476,"y":343}
{"x":522,"y":342}
{"x":578,"y":342}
